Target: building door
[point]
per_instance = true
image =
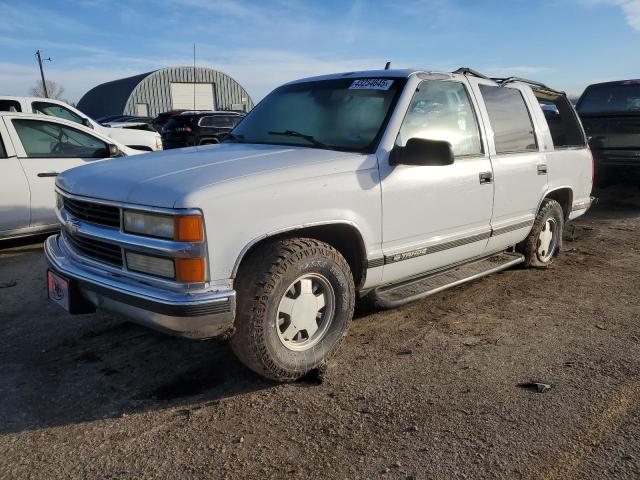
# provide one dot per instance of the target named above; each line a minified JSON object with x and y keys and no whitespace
{"x":192,"y":96}
{"x":142,"y":109}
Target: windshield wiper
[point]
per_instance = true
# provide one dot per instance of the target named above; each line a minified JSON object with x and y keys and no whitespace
{"x":308,"y":138}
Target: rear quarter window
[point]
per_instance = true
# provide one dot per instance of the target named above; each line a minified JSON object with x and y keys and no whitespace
{"x":10,"y":106}
{"x":563,"y":123}
{"x":510,"y":120}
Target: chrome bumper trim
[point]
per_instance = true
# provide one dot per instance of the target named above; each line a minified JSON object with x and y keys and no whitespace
{"x":194,"y":314}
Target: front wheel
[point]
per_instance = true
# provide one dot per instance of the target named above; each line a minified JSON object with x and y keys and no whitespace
{"x":295,"y":303}
{"x":545,"y":239}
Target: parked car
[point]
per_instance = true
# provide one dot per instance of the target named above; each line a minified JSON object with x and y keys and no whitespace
{"x":198,"y":128}
{"x":163,"y":118}
{"x":136,"y":139}
{"x":270,"y":236}
{"x":610,"y":113}
{"x":34,"y":149}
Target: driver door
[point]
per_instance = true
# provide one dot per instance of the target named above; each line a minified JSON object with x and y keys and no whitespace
{"x":435,"y":216}
{"x":46,"y":147}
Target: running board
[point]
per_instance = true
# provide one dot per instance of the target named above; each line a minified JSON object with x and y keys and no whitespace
{"x":391,"y":296}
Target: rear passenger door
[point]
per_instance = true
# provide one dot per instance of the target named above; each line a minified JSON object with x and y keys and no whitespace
{"x":519,"y":168}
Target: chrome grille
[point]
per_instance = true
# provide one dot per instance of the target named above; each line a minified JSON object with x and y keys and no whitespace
{"x":95,"y":249}
{"x":97,"y":213}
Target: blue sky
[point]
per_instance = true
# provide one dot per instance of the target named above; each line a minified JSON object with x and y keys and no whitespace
{"x":566,"y":43}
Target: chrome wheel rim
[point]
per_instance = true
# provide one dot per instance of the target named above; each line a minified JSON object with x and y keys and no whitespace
{"x":547,"y":240}
{"x":305,"y":312}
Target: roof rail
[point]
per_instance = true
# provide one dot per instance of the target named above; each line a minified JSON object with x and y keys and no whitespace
{"x":533,"y":83}
{"x":469,"y":71}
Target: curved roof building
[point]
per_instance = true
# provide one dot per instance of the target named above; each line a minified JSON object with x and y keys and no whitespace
{"x":151,"y":93}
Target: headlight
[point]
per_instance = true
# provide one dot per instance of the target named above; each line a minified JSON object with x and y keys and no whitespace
{"x":158,"y":143}
{"x":182,"y":228}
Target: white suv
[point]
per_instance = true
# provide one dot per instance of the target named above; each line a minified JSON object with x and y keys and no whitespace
{"x":388,"y":184}
{"x":132,"y":138}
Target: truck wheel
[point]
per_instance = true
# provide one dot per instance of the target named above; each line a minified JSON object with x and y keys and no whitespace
{"x":545,"y":239}
{"x":295,"y":302}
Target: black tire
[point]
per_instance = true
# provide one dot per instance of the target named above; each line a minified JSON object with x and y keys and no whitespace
{"x":263,"y":279}
{"x":550,"y":209}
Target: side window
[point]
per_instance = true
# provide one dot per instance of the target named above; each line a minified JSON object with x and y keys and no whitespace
{"x":55,"y":110}
{"x":43,"y":139}
{"x":3,"y":151}
{"x":442,"y":111}
{"x":510,"y":119}
{"x":214,"y":121}
{"x":563,"y":122}
{"x":10,"y":106}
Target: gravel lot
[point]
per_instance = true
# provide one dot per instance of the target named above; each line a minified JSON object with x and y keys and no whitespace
{"x":426,"y":391}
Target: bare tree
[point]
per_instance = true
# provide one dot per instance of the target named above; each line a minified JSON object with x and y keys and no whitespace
{"x":54,"y":89}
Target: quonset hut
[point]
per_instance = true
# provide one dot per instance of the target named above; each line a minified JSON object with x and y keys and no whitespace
{"x":172,"y":88}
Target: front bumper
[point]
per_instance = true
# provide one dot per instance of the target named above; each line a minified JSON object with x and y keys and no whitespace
{"x":201,"y":314}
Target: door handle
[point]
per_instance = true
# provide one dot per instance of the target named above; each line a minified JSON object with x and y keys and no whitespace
{"x":48,"y":174}
{"x":542,"y":169}
{"x":486,"y":177}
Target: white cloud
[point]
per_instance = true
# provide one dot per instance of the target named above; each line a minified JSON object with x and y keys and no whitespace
{"x":631,"y":9}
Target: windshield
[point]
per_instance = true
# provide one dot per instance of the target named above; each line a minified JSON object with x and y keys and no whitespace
{"x":623,"y":97}
{"x":342,"y":114}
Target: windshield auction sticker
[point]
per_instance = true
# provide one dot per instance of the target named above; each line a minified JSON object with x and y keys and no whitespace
{"x":371,"y":84}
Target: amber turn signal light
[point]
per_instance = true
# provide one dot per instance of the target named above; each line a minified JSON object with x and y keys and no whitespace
{"x":190,"y":270}
{"x":189,"y":229}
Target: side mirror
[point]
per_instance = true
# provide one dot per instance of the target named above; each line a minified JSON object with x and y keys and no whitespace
{"x":114,"y":151}
{"x":423,"y":152}
{"x":87,"y":123}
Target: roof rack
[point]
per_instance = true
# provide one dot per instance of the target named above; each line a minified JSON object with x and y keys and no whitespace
{"x":533,"y":83}
{"x":469,"y":71}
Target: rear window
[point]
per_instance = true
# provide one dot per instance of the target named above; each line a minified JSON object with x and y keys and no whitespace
{"x":623,"y":97}
{"x":179,"y":121}
{"x":9,"y":106}
{"x":220,"y":121}
{"x":562,"y":121}
{"x":510,"y":119}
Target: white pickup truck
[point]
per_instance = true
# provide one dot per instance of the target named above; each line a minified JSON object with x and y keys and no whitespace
{"x":390,"y":184}
{"x":132,"y":138}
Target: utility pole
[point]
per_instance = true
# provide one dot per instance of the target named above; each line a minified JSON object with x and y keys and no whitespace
{"x":44,"y":83}
{"x":194,"y":76}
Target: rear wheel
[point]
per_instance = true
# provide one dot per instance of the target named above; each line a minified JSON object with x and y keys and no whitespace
{"x":545,"y":239}
{"x":295,"y":303}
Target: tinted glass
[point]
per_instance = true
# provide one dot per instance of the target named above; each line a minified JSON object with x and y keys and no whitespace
{"x":51,"y":140}
{"x":342,"y":114}
{"x":55,"y":111}
{"x":215,"y":121}
{"x":9,"y":106}
{"x":623,"y":97}
{"x":510,"y":120}
{"x":179,"y":121}
{"x":561,"y":119}
{"x":442,"y":111}
{"x":3,"y":152}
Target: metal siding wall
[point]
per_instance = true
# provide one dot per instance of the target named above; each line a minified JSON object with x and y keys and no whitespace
{"x":154,"y":90}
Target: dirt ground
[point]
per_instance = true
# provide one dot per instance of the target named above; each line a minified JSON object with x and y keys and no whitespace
{"x":425,"y":391}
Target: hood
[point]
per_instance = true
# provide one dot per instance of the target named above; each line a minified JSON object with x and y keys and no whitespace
{"x":167,"y":178}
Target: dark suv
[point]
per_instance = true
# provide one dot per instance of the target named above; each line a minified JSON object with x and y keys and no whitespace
{"x":198,"y":128}
{"x":610,"y":114}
